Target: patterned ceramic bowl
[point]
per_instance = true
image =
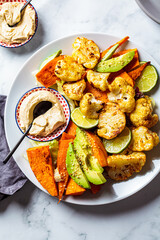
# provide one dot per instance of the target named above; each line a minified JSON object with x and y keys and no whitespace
{"x":15,"y":45}
{"x":63,"y":103}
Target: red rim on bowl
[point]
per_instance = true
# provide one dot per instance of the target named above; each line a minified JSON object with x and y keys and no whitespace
{"x":15,"y":45}
{"x":63,"y":103}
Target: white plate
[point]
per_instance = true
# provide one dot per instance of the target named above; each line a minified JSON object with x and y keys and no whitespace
{"x":111,"y":191}
{"x":151,"y":8}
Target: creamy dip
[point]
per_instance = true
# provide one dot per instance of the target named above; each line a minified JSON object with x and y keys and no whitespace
{"x":46,"y":123}
{"x":10,"y":15}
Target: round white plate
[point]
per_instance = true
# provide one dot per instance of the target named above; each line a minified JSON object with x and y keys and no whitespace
{"x":111,"y":191}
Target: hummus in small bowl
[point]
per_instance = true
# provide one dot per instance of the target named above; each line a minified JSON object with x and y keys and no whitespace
{"x":52,"y":123}
{"x":27,"y":22}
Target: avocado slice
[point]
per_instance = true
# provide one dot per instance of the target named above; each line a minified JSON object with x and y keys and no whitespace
{"x":81,"y":136}
{"x":110,"y":52}
{"x":115,"y":64}
{"x":74,"y":169}
{"x":85,"y":144}
{"x":95,"y":165}
{"x":82,"y":148}
{"x":92,"y":175}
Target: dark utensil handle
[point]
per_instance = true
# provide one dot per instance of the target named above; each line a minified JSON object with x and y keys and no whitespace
{"x":16,"y":146}
{"x":25,"y":5}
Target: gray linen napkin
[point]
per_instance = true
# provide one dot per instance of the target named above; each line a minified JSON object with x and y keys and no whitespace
{"x":11,"y":177}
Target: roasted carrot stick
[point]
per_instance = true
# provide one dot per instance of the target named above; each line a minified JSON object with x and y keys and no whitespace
{"x":61,"y":165}
{"x":135,"y":73}
{"x":119,"y":42}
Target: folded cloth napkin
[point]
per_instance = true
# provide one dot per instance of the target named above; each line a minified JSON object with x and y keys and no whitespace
{"x":11,"y":177}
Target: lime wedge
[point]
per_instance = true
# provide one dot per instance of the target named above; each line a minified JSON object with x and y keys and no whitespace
{"x":148,"y":79}
{"x":153,"y":102}
{"x":119,"y":143}
{"x":48,"y":59}
{"x":81,"y":121}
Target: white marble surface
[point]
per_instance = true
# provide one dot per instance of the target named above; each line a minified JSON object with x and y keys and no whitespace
{"x":30,"y":213}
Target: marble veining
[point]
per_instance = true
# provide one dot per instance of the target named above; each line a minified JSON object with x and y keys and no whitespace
{"x":32,"y":214}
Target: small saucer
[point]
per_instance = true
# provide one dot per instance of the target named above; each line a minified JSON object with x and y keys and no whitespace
{"x":16,"y":45}
{"x":63,"y":103}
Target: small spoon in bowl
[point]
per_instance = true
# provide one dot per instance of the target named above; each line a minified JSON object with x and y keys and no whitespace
{"x":39,"y":109}
{"x":25,"y":5}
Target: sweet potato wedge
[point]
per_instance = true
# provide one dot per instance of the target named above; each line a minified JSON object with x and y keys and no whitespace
{"x":41,"y":164}
{"x":73,"y":188}
{"x":71,"y":129}
{"x":98,"y":94}
{"x":122,"y":74}
{"x":113,"y":75}
{"x":61,"y":165}
{"x":98,"y":148}
{"x":127,"y":78}
{"x":46,"y":75}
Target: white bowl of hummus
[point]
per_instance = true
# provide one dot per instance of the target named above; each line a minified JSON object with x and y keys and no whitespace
{"x":52,"y":123}
{"x":24,"y":30}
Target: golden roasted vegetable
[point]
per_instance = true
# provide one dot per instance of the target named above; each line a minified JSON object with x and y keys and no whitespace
{"x":85,"y":52}
{"x":112,"y":121}
{"x":123,"y":94}
{"x":69,"y":70}
{"x":143,"y":139}
{"x":75,"y":90}
{"x":121,"y":167}
{"x":98,"y":80}
{"x":142,"y":114}
{"x":90,"y":107}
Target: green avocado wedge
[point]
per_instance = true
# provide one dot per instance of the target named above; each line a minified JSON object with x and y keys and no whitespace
{"x":81,"y":165}
{"x":115,"y":64}
{"x":48,"y":59}
{"x":74,"y":169}
{"x":86,"y":146}
{"x":110,"y":52}
{"x":82,"y":154}
{"x":94,"y":163}
{"x":93,"y":176}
